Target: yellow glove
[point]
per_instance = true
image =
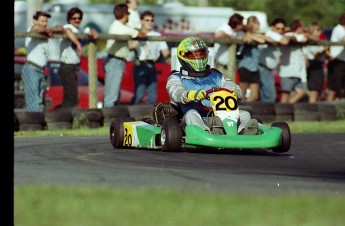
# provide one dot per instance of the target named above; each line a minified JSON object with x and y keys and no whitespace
{"x":196,"y":95}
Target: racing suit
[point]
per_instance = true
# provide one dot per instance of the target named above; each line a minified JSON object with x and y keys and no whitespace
{"x":178,"y":85}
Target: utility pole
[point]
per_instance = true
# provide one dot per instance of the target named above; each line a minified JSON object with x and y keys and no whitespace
{"x":32,"y":6}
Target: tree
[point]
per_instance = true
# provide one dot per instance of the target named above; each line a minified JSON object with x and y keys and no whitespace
{"x":325,"y":12}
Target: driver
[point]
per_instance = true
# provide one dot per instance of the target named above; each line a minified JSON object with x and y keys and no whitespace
{"x":188,"y":86}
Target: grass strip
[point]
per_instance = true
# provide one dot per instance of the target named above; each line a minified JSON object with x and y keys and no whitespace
{"x":71,"y":206}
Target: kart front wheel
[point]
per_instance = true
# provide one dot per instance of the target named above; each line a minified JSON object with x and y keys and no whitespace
{"x":285,"y":139}
{"x":116,"y":131}
{"x":171,"y":135}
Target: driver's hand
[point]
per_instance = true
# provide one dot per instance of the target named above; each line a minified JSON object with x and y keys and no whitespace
{"x":196,"y":95}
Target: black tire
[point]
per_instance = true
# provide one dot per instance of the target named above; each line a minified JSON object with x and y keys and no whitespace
{"x":327,"y":108}
{"x":171,"y":135}
{"x":94,"y":114}
{"x":285,"y":118}
{"x":305,"y":108}
{"x":58,"y":116}
{"x":59,"y":125}
{"x":112,"y":112}
{"x":283,"y":109}
{"x":259,"y":108}
{"x":30,"y":127}
{"x":30,"y":117}
{"x":116,"y":111}
{"x":116,"y":131}
{"x":141,"y":111}
{"x":307,"y":116}
{"x":286,"y":137}
{"x":94,"y":124}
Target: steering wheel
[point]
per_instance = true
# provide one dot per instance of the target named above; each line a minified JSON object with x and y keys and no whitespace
{"x":209,"y":91}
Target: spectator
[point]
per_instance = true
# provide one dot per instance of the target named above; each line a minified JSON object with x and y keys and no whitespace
{"x":37,"y":52}
{"x":133,"y":21}
{"x":134,"y":18}
{"x":233,"y":29}
{"x":71,"y":51}
{"x":148,"y":52}
{"x":188,"y":86}
{"x":336,"y":67}
{"x":270,"y":58}
{"x":118,"y":51}
{"x":248,"y":65}
{"x":292,"y":71}
{"x":316,"y":55}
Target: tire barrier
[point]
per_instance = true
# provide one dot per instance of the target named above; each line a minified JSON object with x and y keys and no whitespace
{"x":260,"y":110}
{"x":30,"y":120}
{"x":283,"y":112}
{"x":60,"y":119}
{"x":112,"y":112}
{"x":141,"y":111}
{"x":95,"y":118}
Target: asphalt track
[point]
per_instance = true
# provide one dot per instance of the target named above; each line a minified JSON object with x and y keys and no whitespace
{"x":315,"y":163}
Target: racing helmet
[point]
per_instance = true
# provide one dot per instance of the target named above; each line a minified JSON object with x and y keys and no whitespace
{"x":192,"y":53}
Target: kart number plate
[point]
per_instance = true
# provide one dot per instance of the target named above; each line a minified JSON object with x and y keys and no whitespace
{"x":128,"y":134}
{"x":224,"y":101}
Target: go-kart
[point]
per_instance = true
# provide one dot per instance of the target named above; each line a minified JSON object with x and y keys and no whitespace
{"x":223,"y":118}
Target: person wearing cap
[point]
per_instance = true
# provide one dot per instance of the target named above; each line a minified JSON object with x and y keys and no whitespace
{"x":71,"y":51}
{"x":36,"y":59}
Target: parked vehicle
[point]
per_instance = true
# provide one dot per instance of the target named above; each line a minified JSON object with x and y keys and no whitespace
{"x":54,"y":93}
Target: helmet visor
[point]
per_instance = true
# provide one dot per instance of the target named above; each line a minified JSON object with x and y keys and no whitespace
{"x":195,"y":54}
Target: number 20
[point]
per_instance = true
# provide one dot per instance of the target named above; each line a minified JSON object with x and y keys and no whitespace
{"x":225,"y":101}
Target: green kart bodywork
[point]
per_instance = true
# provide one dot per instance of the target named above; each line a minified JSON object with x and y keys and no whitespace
{"x":139,"y":134}
{"x":266,"y":138}
{"x":125,"y":132}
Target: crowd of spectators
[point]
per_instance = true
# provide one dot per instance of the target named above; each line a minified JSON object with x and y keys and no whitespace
{"x":289,"y":50}
{"x":308,"y":70}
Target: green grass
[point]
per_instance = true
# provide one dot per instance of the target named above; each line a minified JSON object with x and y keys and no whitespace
{"x":295,"y":127}
{"x":42,"y":205}
{"x":86,"y":206}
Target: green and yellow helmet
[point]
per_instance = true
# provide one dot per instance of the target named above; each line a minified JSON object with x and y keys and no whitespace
{"x":192,"y":52}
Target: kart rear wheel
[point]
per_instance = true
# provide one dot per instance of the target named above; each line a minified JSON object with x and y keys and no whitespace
{"x":171,"y":135}
{"x":286,"y":137}
{"x":116,"y":131}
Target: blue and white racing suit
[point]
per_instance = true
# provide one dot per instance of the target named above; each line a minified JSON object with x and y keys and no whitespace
{"x":178,"y":85}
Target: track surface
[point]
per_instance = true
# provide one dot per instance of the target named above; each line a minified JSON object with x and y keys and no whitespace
{"x":315,"y":163}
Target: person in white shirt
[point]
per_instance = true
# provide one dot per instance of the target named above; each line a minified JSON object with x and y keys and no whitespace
{"x":133,"y":21}
{"x":134,"y":17}
{"x":233,"y":29}
{"x":36,"y":59}
{"x":71,"y":51}
{"x":336,"y":67}
{"x":147,"y":53}
{"x":316,"y":55}
{"x":292,"y":70}
{"x":269,"y":60}
{"x":117,"y":54}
